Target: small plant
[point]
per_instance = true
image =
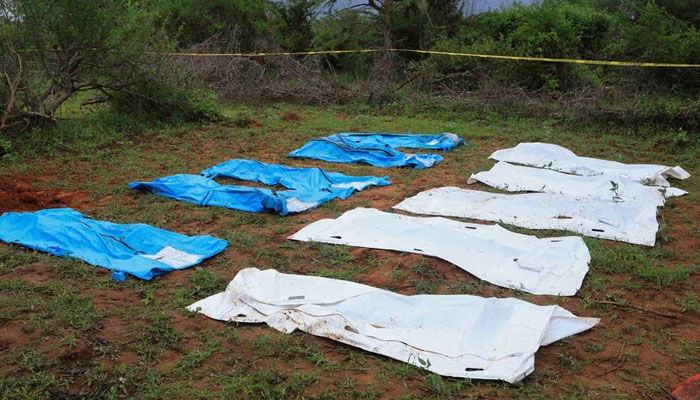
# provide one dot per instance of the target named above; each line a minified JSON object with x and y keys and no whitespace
{"x":689,"y":303}
{"x":593,"y":347}
{"x":435,"y":384}
{"x":569,"y":361}
{"x":680,"y":139}
{"x":206,"y":283}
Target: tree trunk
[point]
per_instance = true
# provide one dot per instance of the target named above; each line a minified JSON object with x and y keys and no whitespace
{"x":63,"y":94}
{"x":388,"y":37}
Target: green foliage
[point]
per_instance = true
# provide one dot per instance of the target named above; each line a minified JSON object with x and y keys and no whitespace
{"x":689,"y":303}
{"x":101,"y":47}
{"x":96,"y":26}
{"x":638,"y":31}
{"x":417,"y":24}
{"x":5,"y":145}
{"x":649,"y":33}
{"x":555,"y":29}
{"x":156,"y":97}
{"x":243,"y":22}
{"x":85,"y":135}
{"x":76,"y":45}
{"x":110,"y":47}
{"x":435,"y":384}
{"x":292,"y":24}
{"x":349,"y":29}
{"x":681,"y":9}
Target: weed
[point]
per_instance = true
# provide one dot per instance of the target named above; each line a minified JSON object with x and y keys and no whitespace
{"x":689,"y":302}
{"x":206,"y":283}
{"x":569,"y":361}
{"x":434,"y":383}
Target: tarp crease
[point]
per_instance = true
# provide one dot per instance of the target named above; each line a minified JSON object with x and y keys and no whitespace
{"x":453,"y":335}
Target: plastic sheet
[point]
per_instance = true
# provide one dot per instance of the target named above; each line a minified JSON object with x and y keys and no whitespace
{"x":205,"y":193}
{"x":310,"y":187}
{"x":312,"y":184}
{"x":136,"y":249}
{"x":633,"y":222}
{"x":515,"y":178}
{"x":551,"y":156}
{"x":378,"y":149}
{"x":454,"y":335}
{"x":554,"y":266}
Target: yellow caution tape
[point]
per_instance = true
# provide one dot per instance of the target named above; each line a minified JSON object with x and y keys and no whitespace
{"x":444,"y":53}
{"x":286,"y":53}
{"x":557,"y":60}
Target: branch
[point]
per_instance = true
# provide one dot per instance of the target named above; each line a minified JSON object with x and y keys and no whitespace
{"x":620,"y":360}
{"x":93,"y":101}
{"x":33,"y":114}
{"x":78,"y":86}
{"x":352,"y":7}
{"x":411,"y":79}
{"x":615,"y":303}
{"x":63,"y":95}
{"x":5,"y":126}
{"x":12,"y":87}
{"x":373,"y":4}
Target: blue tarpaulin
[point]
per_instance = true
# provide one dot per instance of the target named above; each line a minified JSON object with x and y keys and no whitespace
{"x":137,"y":249}
{"x":378,"y":149}
{"x":309,"y":187}
{"x":205,"y":192}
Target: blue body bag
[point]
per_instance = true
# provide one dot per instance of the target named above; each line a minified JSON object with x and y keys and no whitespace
{"x":137,"y":249}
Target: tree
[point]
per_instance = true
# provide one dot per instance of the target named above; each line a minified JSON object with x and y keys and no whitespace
{"x":239,"y":22}
{"x":55,"y":49}
{"x":292,"y":21}
{"x":409,"y":23}
{"x":682,"y":9}
{"x":52,"y":50}
{"x":384,"y":10}
{"x":422,"y":22}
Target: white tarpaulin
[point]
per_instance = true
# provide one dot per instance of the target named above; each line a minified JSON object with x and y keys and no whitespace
{"x":551,"y":156}
{"x":633,"y":222}
{"x":515,"y":178}
{"x":452,"y":335}
{"x":553,"y":266}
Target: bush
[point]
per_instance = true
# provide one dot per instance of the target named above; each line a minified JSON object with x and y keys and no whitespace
{"x":556,"y":30}
{"x":190,"y":22}
{"x":639,"y":31}
{"x":649,"y":33}
{"x":347,"y":30}
{"x":285,"y":78}
{"x":102,"y":47}
{"x":160,"y":95}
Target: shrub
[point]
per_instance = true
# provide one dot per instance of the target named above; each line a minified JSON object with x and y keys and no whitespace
{"x":97,"y":46}
{"x":349,"y":29}
{"x":584,"y":29}
{"x":159,"y":94}
{"x":555,"y":29}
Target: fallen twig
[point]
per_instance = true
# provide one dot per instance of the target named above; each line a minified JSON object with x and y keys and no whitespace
{"x":615,"y":303}
{"x":621,"y":360}
{"x":93,"y":101}
{"x":668,"y":393}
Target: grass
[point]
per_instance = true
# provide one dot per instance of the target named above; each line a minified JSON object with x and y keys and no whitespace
{"x":68,"y":330}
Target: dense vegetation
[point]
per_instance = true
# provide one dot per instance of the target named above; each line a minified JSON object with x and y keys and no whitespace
{"x":113,"y":51}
